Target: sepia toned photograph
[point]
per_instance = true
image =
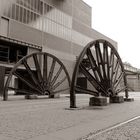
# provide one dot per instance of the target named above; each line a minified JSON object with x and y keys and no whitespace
{"x":69,"y":70}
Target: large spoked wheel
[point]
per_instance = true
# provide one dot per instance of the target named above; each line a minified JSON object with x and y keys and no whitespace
{"x":38,"y":73}
{"x":100,"y":64}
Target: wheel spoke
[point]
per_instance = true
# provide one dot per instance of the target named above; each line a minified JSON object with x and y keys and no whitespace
{"x":115,"y":72}
{"x":111,"y":60}
{"x":118,"y":80}
{"x":45,"y":68}
{"x":120,"y":90}
{"x":31,"y":74}
{"x":26,"y":81}
{"x":30,"y":71}
{"x":100,"y":59}
{"x":38,"y":70}
{"x":93,"y":65}
{"x":106,"y":59}
{"x":56,"y":76}
{"x":91,"y":79}
{"x":85,"y":91}
{"x":111,"y":66}
{"x":51,"y":72}
{"x":59,"y":83}
{"x":117,"y":63}
{"x":58,"y":91}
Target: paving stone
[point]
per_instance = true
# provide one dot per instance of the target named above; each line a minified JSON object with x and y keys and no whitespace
{"x":30,"y":119}
{"x":54,"y":96}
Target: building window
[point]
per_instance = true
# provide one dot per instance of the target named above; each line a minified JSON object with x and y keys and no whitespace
{"x":4,"y":27}
{"x":4,"y":53}
{"x":12,"y":54}
{"x":16,"y":53}
{"x":40,"y":15}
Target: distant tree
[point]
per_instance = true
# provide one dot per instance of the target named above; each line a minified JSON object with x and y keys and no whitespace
{"x":127,"y":63}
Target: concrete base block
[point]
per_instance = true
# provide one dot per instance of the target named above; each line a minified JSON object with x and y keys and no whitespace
{"x":108,"y":100}
{"x":34,"y":96}
{"x":98,"y":101}
{"x":54,"y":96}
{"x":117,"y":99}
{"x":128,"y":99}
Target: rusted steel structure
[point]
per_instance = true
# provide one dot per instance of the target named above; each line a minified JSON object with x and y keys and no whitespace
{"x":101,"y":65}
{"x":41,"y":73}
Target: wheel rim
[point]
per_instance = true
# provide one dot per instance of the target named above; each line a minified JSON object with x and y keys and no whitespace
{"x":42,"y":74}
{"x":101,"y":65}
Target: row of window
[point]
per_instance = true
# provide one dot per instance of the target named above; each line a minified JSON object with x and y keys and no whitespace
{"x":45,"y":9}
{"x":57,"y":16}
{"x":44,"y":17}
{"x":34,"y":5}
{"x":12,"y":54}
{"x":57,"y":29}
{"x":53,"y":21}
{"x":26,"y":11}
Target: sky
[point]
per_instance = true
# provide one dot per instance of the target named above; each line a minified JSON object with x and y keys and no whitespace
{"x":119,"y":20}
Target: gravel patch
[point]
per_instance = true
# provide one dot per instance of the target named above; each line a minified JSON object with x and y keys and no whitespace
{"x":128,"y":131}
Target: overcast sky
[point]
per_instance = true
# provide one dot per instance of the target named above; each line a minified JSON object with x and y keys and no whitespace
{"x":119,"y":20}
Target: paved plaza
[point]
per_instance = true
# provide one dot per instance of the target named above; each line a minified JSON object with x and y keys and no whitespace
{"x":51,"y":119}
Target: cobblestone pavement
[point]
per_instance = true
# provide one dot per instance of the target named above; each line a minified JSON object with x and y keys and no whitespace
{"x":30,"y":119}
{"x":129,"y":131}
{"x":25,"y":119}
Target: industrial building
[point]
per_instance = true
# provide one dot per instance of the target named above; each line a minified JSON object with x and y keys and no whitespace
{"x":133,"y":77}
{"x":59,"y":27}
